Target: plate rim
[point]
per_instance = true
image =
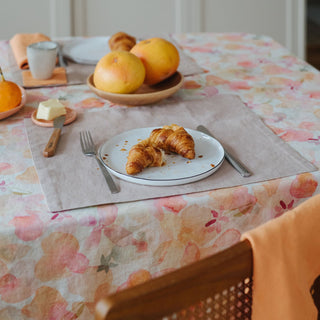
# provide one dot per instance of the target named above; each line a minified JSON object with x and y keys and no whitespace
{"x":204,"y":174}
{"x":163,"y":182}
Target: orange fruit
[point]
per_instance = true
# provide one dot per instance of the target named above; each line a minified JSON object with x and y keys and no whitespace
{"x":160,"y":58}
{"x":119,"y":72}
{"x":10,"y":94}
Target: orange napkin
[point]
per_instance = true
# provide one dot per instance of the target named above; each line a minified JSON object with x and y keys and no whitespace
{"x":19,"y":44}
{"x":286,"y":262}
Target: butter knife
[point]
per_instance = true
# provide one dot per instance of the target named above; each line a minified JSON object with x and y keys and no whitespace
{"x":51,"y":146}
{"x":232,"y":160}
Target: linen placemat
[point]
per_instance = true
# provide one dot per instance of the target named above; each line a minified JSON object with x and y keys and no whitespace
{"x":71,"y":180}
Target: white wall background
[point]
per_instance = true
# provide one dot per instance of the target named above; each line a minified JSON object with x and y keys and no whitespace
{"x":284,"y":20}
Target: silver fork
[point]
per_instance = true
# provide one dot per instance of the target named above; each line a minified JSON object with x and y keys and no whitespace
{"x":88,"y":148}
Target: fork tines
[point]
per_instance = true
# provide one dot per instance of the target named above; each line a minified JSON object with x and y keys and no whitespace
{"x":86,"y":141}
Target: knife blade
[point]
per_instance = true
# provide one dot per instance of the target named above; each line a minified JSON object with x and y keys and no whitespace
{"x":51,"y":146}
{"x":230,"y":158}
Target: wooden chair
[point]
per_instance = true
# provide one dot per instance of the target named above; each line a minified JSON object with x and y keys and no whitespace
{"x":217,"y":287}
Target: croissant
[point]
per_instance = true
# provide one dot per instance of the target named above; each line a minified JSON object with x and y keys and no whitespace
{"x":121,"y":41}
{"x":173,"y":138}
{"x":142,"y":155}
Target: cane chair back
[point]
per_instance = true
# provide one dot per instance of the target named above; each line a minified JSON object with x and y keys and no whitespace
{"x":217,"y":287}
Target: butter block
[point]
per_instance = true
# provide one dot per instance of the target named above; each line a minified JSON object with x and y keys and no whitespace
{"x":50,"y":109}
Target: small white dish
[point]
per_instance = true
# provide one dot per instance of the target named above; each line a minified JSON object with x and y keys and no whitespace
{"x":86,"y":51}
{"x":176,"y":171}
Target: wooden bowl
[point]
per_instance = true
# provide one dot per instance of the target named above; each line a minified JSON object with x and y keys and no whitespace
{"x":6,"y":114}
{"x":145,"y":94}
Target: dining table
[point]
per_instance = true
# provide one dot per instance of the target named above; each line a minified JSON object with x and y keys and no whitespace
{"x":66,"y":241}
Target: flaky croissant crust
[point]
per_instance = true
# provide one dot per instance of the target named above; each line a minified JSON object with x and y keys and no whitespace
{"x":121,"y":41}
{"x":149,"y":152}
{"x":142,"y":155}
{"x":173,"y":138}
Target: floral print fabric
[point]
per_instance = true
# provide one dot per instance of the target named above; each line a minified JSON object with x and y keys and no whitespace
{"x":58,"y":265}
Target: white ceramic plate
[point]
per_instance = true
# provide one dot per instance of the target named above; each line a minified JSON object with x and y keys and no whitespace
{"x":86,"y":51}
{"x":176,"y":171}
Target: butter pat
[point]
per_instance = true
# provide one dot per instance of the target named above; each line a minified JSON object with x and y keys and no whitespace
{"x":50,"y":109}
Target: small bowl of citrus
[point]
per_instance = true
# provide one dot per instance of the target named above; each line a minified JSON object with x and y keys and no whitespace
{"x":12,"y":97}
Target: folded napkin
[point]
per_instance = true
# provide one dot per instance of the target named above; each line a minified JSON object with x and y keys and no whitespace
{"x":71,"y":180}
{"x":286,"y":263}
{"x":19,"y":43}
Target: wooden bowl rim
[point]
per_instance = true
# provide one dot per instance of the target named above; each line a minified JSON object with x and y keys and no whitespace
{"x":147,"y":96}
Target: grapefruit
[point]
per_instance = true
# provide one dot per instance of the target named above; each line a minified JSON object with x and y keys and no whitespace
{"x":10,"y":94}
{"x":119,"y":72}
{"x":160,"y":58}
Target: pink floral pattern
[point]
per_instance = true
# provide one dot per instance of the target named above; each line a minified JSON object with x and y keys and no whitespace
{"x":58,"y":265}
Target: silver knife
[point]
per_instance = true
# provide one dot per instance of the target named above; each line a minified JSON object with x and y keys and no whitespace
{"x":234,"y":162}
{"x":51,"y":146}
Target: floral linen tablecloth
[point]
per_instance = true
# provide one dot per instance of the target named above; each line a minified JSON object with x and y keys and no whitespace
{"x":57,"y":265}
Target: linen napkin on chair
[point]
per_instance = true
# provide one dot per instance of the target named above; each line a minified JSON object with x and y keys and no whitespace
{"x":286,"y":263}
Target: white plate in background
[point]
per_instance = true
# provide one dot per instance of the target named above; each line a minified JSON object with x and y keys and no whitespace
{"x":176,"y":171}
{"x":86,"y":51}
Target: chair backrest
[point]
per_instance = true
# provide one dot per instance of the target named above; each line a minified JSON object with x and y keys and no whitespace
{"x":217,"y":287}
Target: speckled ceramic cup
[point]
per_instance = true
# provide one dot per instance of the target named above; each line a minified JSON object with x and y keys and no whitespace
{"x":42,"y":59}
